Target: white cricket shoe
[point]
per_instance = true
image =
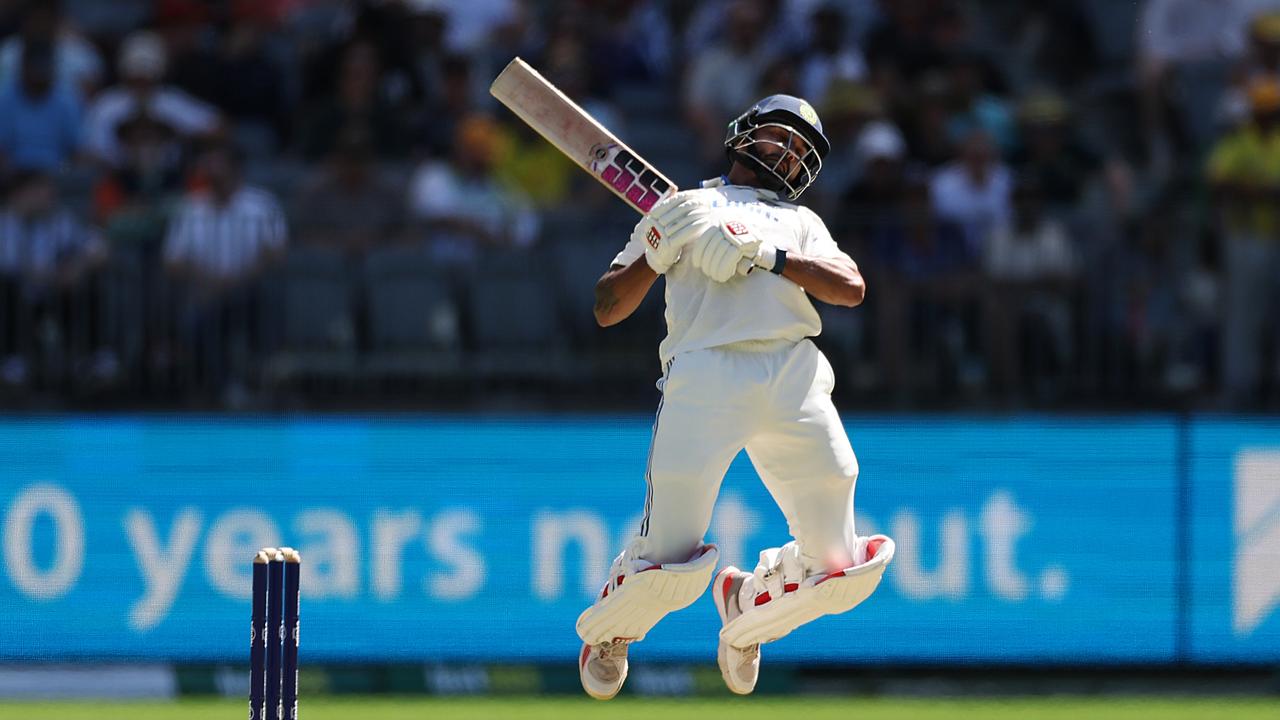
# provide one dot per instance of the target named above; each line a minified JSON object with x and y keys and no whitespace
{"x":603,"y":669}
{"x":740,"y":667}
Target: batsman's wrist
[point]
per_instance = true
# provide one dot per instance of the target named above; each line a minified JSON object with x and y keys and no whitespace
{"x":771,"y":258}
{"x":655,"y":265}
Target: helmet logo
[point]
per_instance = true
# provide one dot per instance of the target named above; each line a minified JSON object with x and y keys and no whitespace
{"x":807,"y":112}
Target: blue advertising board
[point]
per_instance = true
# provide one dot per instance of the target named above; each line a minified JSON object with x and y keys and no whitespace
{"x":481,"y":539}
{"x":1234,"y":539}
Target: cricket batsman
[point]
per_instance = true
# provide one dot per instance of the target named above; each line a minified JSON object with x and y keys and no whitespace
{"x":743,"y":265}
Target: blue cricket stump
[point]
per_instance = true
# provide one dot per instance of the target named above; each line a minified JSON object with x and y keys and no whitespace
{"x":273,"y":637}
{"x":292,"y":574}
{"x":258,"y":635}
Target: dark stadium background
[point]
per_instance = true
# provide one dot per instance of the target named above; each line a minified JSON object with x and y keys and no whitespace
{"x":264,"y":249}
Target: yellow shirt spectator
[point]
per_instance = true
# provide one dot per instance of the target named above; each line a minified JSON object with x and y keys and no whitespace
{"x":536,"y":168}
{"x":1249,"y":158}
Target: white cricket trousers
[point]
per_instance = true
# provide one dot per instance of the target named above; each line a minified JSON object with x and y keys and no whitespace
{"x":772,"y":398}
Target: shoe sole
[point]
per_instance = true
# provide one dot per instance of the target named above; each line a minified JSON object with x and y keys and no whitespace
{"x":582,"y":677}
{"x":720,"y":595}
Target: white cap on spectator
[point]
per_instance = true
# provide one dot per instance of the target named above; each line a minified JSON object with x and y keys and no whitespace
{"x":142,"y":54}
{"x":880,"y":141}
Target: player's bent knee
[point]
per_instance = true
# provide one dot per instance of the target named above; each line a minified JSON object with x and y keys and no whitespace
{"x":639,"y":594}
{"x":771,"y":612}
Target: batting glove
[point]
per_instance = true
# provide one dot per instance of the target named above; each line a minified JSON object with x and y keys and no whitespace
{"x":671,"y":226}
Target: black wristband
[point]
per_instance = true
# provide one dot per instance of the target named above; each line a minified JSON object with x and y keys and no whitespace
{"x":780,"y":262}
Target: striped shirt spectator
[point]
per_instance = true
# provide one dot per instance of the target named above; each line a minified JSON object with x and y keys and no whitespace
{"x":41,"y":241}
{"x":226,"y":241}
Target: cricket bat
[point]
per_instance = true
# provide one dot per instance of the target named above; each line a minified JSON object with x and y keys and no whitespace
{"x":588,"y":143}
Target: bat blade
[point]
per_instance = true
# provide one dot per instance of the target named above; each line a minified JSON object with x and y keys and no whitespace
{"x":581,"y":137}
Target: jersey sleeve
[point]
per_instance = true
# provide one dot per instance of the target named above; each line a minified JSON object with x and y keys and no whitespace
{"x":818,"y":242}
{"x":630,"y":253}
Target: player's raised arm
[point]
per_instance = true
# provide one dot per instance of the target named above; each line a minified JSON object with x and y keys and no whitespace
{"x":656,"y":244}
{"x":621,"y":290}
{"x":833,"y":280}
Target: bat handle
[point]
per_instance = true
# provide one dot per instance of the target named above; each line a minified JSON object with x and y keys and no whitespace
{"x":745,"y":266}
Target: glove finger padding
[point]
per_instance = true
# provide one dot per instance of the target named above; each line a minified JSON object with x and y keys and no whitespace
{"x":670,"y":211}
{"x":687,"y":233}
{"x":723,"y":262}
{"x":700,"y":247}
{"x":680,"y":202}
{"x":696,"y":216}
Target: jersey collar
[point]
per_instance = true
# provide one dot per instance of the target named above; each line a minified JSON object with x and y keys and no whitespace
{"x":723,"y":181}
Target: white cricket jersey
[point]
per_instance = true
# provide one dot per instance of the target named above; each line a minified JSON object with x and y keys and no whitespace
{"x":702,"y":313}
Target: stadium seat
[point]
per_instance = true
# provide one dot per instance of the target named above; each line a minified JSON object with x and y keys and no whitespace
{"x":413,"y":316}
{"x":514,"y":322}
{"x":309,"y":303}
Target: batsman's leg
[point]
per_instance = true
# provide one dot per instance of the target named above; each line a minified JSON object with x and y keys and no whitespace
{"x":807,"y":464}
{"x":697,"y":432}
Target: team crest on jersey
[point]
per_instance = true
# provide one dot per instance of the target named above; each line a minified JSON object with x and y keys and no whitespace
{"x":736,"y":227}
{"x":653,"y":237}
{"x":808,"y":113}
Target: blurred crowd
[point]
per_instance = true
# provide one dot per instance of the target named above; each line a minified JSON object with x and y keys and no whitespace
{"x":268,"y":203}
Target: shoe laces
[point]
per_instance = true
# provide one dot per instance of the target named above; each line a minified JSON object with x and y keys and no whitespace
{"x":612,"y":650}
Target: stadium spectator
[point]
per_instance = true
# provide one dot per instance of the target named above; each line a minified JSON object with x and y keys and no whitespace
{"x":225,"y":233}
{"x":874,"y":198}
{"x":1261,"y":62}
{"x":356,"y":106}
{"x":538,"y":170}
{"x":1244,"y":174}
{"x":1049,"y":152}
{"x":724,"y":78}
{"x":256,"y":103}
{"x":47,"y":255}
{"x":1173,"y":34}
{"x":925,"y":120}
{"x":914,"y":37}
{"x":40,"y":120}
{"x":461,"y":205}
{"x":142,"y":63}
{"x":1031,"y":265}
{"x":974,"y":190}
{"x":470,"y":25}
{"x":833,"y":56}
{"x":1153,"y":324}
{"x":220,"y":240}
{"x":76,"y":61}
{"x":629,"y":43}
{"x":41,"y":239}
{"x":453,"y":102}
{"x":974,"y":106}
{"x":1049,"y":42}
{"x":347,"y":204}
{"x":113,"y":20}
{"x":706,"y":26}
{"x":926,"y":299}
{"x":568,"y":63}
{"x":851,"y":110}
{"x":132,"y":201}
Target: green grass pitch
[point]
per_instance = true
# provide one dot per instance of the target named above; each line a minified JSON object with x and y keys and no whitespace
{"x":841,"y":708}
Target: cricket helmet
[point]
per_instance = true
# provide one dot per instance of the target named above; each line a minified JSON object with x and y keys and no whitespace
{"x":798,"y":118}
